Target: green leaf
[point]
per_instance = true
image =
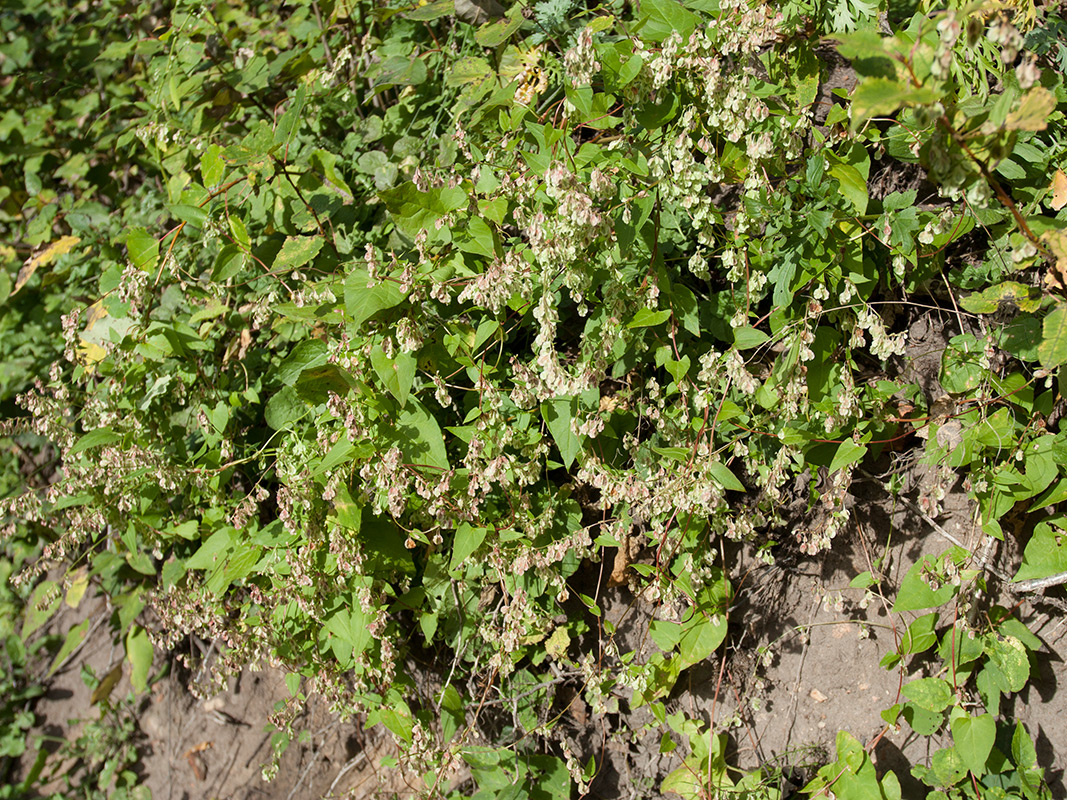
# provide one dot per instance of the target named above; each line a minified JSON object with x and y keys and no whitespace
{"x":363,"y":301}
{"x":702,"y":633}
{"x":933,"y":694}
{"x":183,"y":212}
{"x":915,"y":594}
{"x":746,"y":337}
{"x":853,"y":185}
{"x":630,"y":70}
{"x":383,"y":542}
{"x":346,"y":630}
{"x":1010,"y":293}
{"x":863,"y":581}
{"x":397,"y":373}
{"x":1013,"y":627}
{"x":1046,"y":552}
{"x":297,"y":251}
{"x":315,"y":385}
{"x":292,"y":683}
{"x":466,"y":70}
{"x":98,"y":438}
{"x":684,"y":781}
{"x":678,"y":369}
{"x":284,"y":408}
{"x":309,"y":354}
{"x":186,"y":530}
{"x":973,"y":738}
{"x":42,"y":604}
{"x":679,"y":454}
{"x":239,"y":232}
{"x":665,"y":634}
{"x":558,"y":414}
{"x":1023,"y":752}
{"x":212,"y":552}
{"x":725,"y":476}
{"x":468,"y":540}
{"x":290,"y":121}
{"x":990,"y":683}
{"x":655,"y":115}
{"x":646,"y":318}
{"x":401,"y":71}
{"x":399,"y":723}
{"x":922,"y":720}
{"x":427,"y":11}
{"x":75,"y":636}
{"x":420,"y":436}
{"x":72,"y":501}
{"x":920,"y":635}
{"x":453,"y":717}
{"x":1008,"y":663}
{"x":496,"y":32}
{"x":349,"y":513}
{"x":423,"y":208}
{"x":947,"y":767}
{"x":881,"y":97}
{"x":660,"y":18}
{"x":481,"y":240}
{"x":848,"y":452}
{"x":1052,"y":351}
{"x":143,"y":249}
{"x":139,"y":653}
{"x":212,"y":166}
{"x":590,"y":604}
{"x":240,"y":565}
{"x":850,"y":752}
{"x":340,"y":453}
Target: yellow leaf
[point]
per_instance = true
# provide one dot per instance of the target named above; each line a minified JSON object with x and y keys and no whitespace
{"x":78,"y":584}
{"x":90,"y":354}
{"x":1057,"y":245}
{"x":95,"y":313}
{"x":1059,"y":190}
{"x":60,"y":246}
{"x":558,"y":642}
{"x":1032,"y":113}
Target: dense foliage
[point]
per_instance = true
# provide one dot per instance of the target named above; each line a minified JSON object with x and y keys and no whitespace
{"x":345,"y":336}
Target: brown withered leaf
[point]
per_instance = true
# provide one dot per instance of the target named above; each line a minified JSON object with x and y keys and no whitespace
{"x":194,"y":755}
{"x":624,"y":556}
{"x":107,"y":685}
{"x":1056,"y":241}
{"x":1059,"y":190}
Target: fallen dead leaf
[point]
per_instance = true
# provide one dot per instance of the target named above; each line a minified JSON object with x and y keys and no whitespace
{"x":194,"y":755}
{"x":623,"y":558}
{"x":842,"y":630}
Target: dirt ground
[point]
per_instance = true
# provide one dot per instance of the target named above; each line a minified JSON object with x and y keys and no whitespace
{"x":801,"y":662}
